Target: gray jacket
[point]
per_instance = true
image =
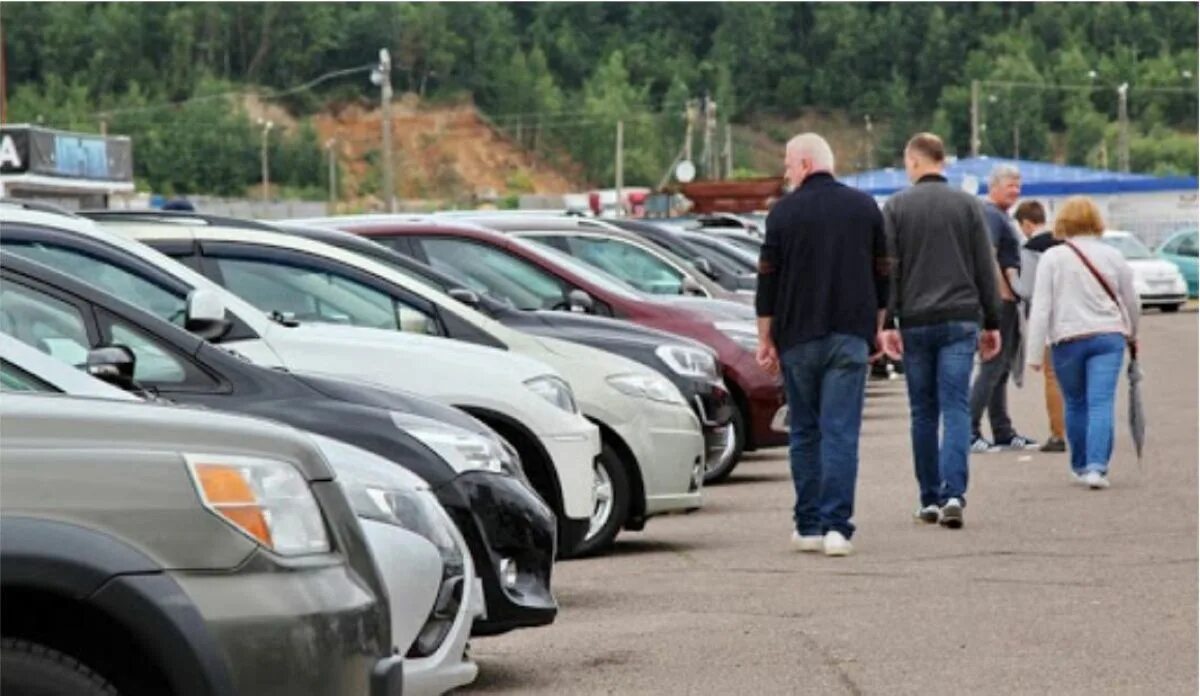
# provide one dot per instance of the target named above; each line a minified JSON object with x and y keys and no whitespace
{"x":944,"y":265}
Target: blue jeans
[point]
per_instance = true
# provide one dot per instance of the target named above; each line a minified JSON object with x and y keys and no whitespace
{"x":1087,"y":371}
{"x":825,"y":381}
{"x":938,"y":360}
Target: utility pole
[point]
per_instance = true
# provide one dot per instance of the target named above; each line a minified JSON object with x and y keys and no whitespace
{"x":1123,"y":121}
{"x":975,"y":118}
{"x":690,"y":116}
{"x":620,"y":167}
{"x":1016,"y":140}
{"x":382,"y":76}
{"x":870,"y":143}
{"x":713,"y":157}
{"x":332,"y":174}
{"x":706,"y":152}
{"x":103,"y":125}
{"x":266,"y":166}
{"x":728,"y":150}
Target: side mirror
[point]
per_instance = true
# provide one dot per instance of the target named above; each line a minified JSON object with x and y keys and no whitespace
{"x":690,"y":286}
{"x":704,"y":266}
{"x":468,"y":297}
{"x":581,"y":302}
{"x":206,"y":315}
{"x":113,"y":364}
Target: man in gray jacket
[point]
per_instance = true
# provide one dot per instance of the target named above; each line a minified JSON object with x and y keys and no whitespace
{"x":944,"y":286}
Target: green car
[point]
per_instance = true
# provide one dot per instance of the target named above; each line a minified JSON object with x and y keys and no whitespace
{"x":1181,"y":250}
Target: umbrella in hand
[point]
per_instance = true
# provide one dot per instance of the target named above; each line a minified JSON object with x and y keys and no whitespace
{"x":1137,"y":414}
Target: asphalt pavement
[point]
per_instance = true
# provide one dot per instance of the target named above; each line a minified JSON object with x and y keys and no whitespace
{"x":1049,"y":588}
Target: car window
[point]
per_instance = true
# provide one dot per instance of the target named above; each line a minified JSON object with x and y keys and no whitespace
{"x":313,"y":294}
{"x":115,"y":280}
{"x":629,"y":262}
{"x":732,"y":256}
{"x":495,"y":272}
{"x":14,"y":379}
{"x":1187,"y":246}
{"x":157,"y":363}
{"x":46,"y":323}
{"x":1129,"y":246}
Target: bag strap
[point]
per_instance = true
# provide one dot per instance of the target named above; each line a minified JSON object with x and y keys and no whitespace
{"x":1112,"y":295}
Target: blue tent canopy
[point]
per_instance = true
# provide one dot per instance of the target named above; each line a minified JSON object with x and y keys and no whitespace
{"x":1037,"y":178}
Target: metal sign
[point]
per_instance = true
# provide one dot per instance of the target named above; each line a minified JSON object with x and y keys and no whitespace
{"x":46,"y":152}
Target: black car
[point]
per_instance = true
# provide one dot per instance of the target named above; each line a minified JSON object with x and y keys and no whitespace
{"x":510,"y":531}
{"x":721,"y":270}
{"x":709,"y":398}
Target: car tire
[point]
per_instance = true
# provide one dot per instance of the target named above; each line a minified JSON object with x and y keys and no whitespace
{"x":611,"y":477}
{"x":721,"y":472}
{"x":32,"y":669}
{"x":1169,"y":308}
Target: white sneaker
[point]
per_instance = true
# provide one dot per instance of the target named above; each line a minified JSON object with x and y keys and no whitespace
{"x":837,"y":545}
{"x":807,"y":544}
{"x":930,"y":514}
{"x":1095,"y":480}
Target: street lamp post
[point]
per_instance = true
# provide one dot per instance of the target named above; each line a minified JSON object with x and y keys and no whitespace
{"x":332,"y":174}
{"x":266,"y":165}
{"x":1123,"y":121}
{"x":382,"y":76}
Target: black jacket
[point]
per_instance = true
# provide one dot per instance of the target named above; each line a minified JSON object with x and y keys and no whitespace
{"x":944,"y":265}
{"x":823,"y":265}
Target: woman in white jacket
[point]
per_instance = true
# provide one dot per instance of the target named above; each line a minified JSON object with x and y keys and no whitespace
{"x":1085,"y":307}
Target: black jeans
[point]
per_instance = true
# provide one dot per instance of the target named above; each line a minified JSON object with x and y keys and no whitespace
{"x":990,"y":389}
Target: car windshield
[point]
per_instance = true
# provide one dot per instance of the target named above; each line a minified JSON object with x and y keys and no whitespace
{"x":749,"y":245}
{"x":596,"y":276}
{"x":630,"y":262}
{"x":1130,"y":247}
{"x":740,"y":259}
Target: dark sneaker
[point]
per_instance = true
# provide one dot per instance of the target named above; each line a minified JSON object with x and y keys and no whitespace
{"x":930,"y":514}
{"x":982,"y":446}
{"x":952,"y":514}
{"x":1018,"y":442}
{"x":1054,"y":444}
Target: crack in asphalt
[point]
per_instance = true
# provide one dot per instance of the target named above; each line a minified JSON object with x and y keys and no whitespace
{"x":830,"y":661}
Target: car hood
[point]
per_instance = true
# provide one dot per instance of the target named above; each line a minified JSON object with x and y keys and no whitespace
{"x":715,"y":310}
{"x":1154,"y":268}
{"x":366,"y":393}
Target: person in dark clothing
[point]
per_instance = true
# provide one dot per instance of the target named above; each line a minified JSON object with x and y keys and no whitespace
{"x":943,"y":287}
{"x":990,"y":390}
{"x":1031,"y":217}
{"x":822,"y":289}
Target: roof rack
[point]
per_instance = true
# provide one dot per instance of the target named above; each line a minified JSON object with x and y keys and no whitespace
{"x":37,"y":206}
{"x":178,"y":217}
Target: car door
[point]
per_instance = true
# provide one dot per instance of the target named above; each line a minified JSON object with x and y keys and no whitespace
{"x":1183,"y":252}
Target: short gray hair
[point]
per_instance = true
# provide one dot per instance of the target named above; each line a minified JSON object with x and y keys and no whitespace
{"x":813,"y":147}
{"x":1003,"y":172}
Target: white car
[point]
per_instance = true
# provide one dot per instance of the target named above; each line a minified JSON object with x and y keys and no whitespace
{"x":653,"y":443}
{"x":1158,"y":282}
{"x":524,"y":400}
{"x":398,"y":513}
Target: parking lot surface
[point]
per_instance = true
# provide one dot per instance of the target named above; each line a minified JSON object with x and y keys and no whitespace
{"x":1050,"y":588}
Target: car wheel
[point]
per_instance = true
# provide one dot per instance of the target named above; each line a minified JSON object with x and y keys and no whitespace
{"x":612,"y":504}
{"x":719,"y":470}
{"x":1170,"y":308}
{"x":34,"y":669}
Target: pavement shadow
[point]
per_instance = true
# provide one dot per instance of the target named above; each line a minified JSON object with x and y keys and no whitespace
{"x":641,"y":547}
{"x":496,"y":676}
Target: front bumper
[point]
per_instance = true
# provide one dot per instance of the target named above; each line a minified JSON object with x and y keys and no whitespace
{"x":501,"y":520}
{"x":1151,"y":298}
{"x":713,"y":406}
{"x":668,"y":445}
{"x":309,"y":626}
{"x":573,"y":455}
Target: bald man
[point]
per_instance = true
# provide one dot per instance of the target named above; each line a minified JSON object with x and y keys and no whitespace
{"x":822,"y":289}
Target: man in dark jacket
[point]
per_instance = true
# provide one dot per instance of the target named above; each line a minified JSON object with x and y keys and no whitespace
{"x":943,"y":288}
{"x":989,"y":392}
{"x":822,"y":289}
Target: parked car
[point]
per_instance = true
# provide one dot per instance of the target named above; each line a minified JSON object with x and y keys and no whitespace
{"x":718,"y":247}
{"x":690,"y":365}
{"x":509,"y":531}
{"x":653,"y":453}
{"x":1158,"y":282}
{"x":533,"y":277}
{"x":153,"y":550}
{"x":1181,"y":250}
{"x":524,"y":401}
{"x":728,"y":275}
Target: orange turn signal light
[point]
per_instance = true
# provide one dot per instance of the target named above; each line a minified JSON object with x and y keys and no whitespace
{"x":227,"y":492}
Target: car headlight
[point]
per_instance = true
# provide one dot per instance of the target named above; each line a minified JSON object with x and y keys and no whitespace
{"x":745,"y":334}
{"x":463,"y":449}
{"x":554,"y":390}
{"x":267,"y":500}
{"x":647,"y":386}
{"x":689,"y":362}
{"x":416,"y":510}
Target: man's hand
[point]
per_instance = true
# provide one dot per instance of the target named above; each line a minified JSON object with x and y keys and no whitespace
{"x":891,"y":343}
{"x":989,"y":344}
{"x":767,"y":357}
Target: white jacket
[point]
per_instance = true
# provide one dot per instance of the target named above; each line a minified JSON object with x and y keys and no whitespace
{"x":1069,"y":302}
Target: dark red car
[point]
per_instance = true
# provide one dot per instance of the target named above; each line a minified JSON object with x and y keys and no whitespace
{"x":533,"y":277}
